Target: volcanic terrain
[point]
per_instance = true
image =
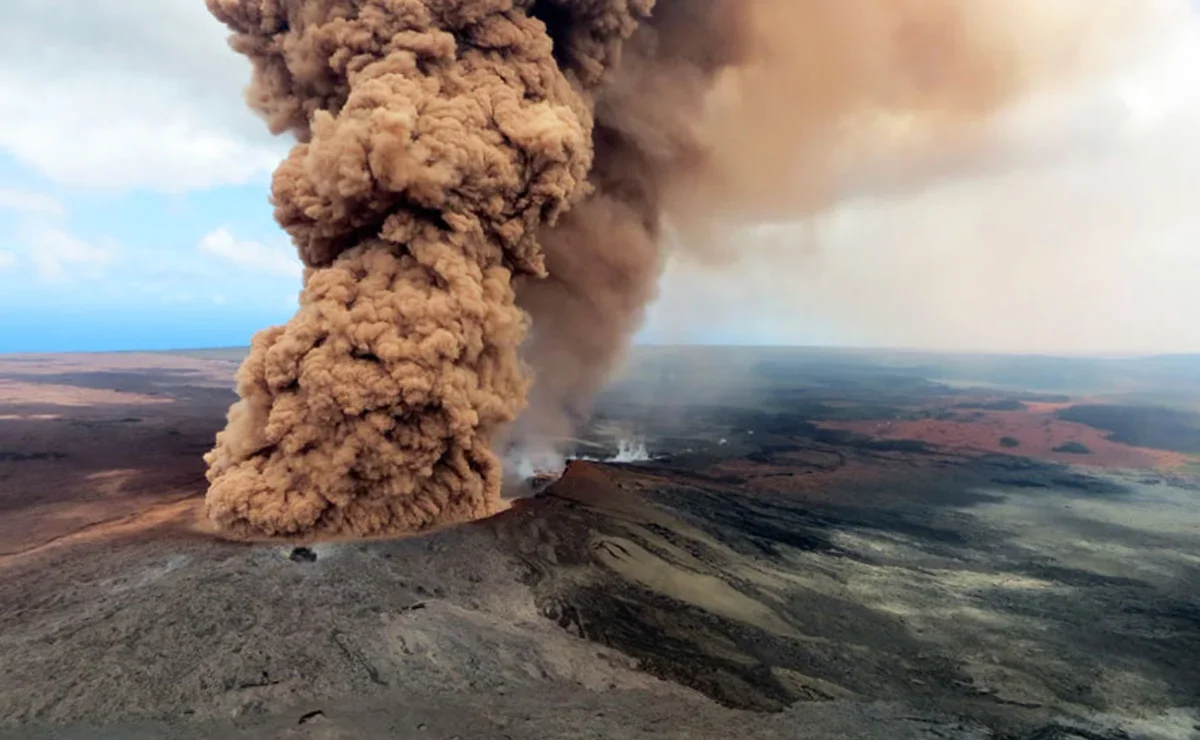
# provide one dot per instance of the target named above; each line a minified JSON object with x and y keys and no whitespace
{"x":814,"y":544}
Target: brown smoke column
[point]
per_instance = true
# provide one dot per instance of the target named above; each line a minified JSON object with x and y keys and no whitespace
{"x":467,"y":167}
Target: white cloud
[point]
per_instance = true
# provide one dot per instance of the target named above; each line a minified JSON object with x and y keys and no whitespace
{"x":30,"y":203}
{"x":59,"y":256}
{"x":55,"y":255}
{"x":251,"y":255}
{"x":117,"y":94}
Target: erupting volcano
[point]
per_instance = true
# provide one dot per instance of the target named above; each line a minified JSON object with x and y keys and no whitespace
{"x":480,"y":189}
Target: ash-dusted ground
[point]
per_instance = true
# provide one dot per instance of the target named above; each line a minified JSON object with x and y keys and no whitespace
{"x":821,"y":545}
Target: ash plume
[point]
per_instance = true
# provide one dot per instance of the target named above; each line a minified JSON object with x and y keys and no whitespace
{"x":722,"y":113}
{"x":480,"y":192}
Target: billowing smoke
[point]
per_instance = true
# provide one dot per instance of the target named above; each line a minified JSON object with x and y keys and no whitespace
{"x":481,"y":193}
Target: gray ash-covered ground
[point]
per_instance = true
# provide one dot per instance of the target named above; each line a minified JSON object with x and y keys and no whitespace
{"x":765,"y":575}
{"x":960,"y":606}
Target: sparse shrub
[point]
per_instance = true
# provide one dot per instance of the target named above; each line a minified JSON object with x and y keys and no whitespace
{"x":1010,"y":442}
{"x":1073,"y":448}
{"x":1003,"y":404}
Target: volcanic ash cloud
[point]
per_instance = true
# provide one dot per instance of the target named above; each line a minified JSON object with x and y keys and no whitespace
{"x":478,"y":193}
{"x":436,"y":138}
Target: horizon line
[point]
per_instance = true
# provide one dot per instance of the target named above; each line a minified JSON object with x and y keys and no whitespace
{"x":826,"y":348}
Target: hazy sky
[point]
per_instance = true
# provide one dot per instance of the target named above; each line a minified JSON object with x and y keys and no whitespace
{"x":133,"y":211}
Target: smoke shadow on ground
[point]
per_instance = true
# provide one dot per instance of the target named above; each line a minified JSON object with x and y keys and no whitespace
{"x":61,"y":475}
{"x":82,"y":449}
{"x":179,"y":385}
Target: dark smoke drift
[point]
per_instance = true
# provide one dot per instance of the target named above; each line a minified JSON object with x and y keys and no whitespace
{"x":479,"y":192}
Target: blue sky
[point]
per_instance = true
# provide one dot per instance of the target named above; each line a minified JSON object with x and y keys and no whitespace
{"x":134,"y":211}
{"x":138,"y":269}
{"x":133,"y":182}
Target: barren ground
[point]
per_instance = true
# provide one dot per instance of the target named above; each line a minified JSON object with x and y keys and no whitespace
{"x":823,"y":547}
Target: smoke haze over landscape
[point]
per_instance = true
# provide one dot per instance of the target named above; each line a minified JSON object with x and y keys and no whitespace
{"x":470,"y":172}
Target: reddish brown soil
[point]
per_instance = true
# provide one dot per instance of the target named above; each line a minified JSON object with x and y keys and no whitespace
{"x":93,"y":445}
{"x":1037,"y":430}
